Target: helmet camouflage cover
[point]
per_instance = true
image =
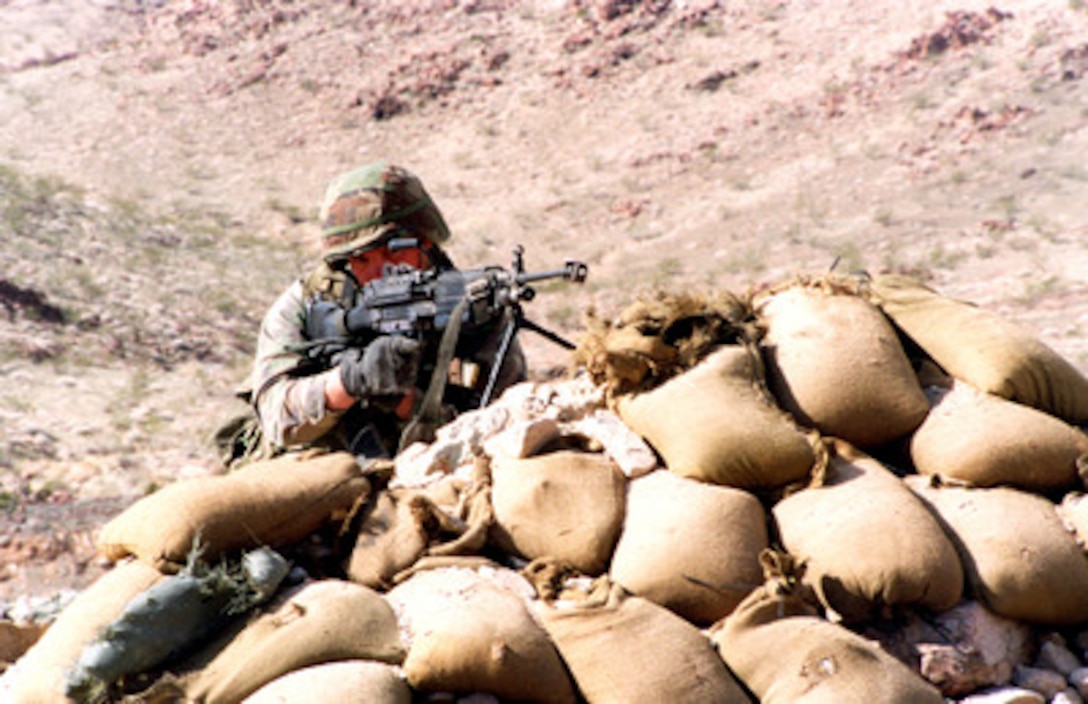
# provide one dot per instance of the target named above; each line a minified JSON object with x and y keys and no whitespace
{"x":364,"y":207}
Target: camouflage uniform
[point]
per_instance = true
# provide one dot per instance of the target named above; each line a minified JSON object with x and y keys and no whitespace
{"x":288,"y":394}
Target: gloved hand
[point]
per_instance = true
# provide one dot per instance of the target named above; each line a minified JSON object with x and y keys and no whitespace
{"x":386,"y":367}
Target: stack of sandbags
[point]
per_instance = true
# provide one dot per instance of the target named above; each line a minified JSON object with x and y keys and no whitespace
{"x":637,"y":498}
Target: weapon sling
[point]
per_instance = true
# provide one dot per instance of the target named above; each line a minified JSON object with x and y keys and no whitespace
{"x":423,"y":423}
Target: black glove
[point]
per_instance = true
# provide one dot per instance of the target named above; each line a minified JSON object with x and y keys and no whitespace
{"x":388,"y":366}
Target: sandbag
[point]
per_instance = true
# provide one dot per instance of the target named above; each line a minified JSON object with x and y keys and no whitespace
{"x":343,"y":682}
{"x":274,"y":502}
{"x":689,"y":546}
{"x":869,"y":542}
{"x":567,"y":504}
{"x":41,"y":674}
{"x":626,"y":650}
{"x":836,"y":364}
{"x":714,"y":423}
{"x":322,"y":621}
{"x":1019,"y":558}
{"x":986,"y":440}
{"x":978,"y":346}
{"x":393,"y":535}
{"x":777,"y":645}
{"x":468,"y":632}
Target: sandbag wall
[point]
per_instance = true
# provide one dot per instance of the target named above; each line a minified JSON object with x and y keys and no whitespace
{"x":733,"y":501}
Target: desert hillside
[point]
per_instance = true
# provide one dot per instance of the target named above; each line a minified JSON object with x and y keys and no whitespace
{"x":160,"y":165}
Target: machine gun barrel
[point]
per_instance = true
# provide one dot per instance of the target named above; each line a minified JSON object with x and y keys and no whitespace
{"x":572,"y":271}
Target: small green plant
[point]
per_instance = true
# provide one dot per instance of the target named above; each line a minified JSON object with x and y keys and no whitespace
{"x":19,"y":404}
{"x":668,"y":268}
{"x":813,"y":207}
{"x":8,"y":501}
{"x":884,"y":216}
{"x":942,"y":258}
{"x":293,"y":213}
{"x":921,"y":101}
{"x":1036,"y":289}
{"x":1008,"y":206}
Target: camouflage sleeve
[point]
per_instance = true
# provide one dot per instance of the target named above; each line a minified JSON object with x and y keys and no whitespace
{"x":291,"y":408}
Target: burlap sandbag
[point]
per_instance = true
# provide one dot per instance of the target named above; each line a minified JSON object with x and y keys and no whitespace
{"x":986,"y":440}
{"x":41,"y":674}
{"x":785,"y":654}
{"x":716,"y":424}
{"x":1020,"y":560}
{"x":868,"y":541}
{"x":989,"y":352}
{"x":568,"y":505}
{"x":395,"y":533}
{"x":689,"y":546}
{"x":275,"y":502}
{"x":468,"y":632}
{"x":322,"y":621}
{"x":343,"y":682}
{"x":623,"y":649}
{"x":836,"y":363}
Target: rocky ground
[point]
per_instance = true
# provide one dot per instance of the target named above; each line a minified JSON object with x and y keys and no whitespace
{"x":160,"y":165}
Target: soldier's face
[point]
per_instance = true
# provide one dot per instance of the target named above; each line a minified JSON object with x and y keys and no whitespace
{"x":377,"y":262}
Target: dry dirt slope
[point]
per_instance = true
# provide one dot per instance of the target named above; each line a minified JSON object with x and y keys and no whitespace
{"x":668,"y":144}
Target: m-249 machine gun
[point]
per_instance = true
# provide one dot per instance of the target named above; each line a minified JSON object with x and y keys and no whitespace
{"x":428,"y":304}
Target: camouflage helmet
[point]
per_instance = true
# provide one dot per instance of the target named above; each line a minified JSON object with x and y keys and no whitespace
{"x":365,"y":206}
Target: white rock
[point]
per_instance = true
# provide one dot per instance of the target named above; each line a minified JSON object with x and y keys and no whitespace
{"x":522,"y":439}
{"x":979,"y":649}
{"x":459,"y":442}
{"x":1005,"y":695}
{"x":1067,"y":696}
{"x":626,"y":448}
